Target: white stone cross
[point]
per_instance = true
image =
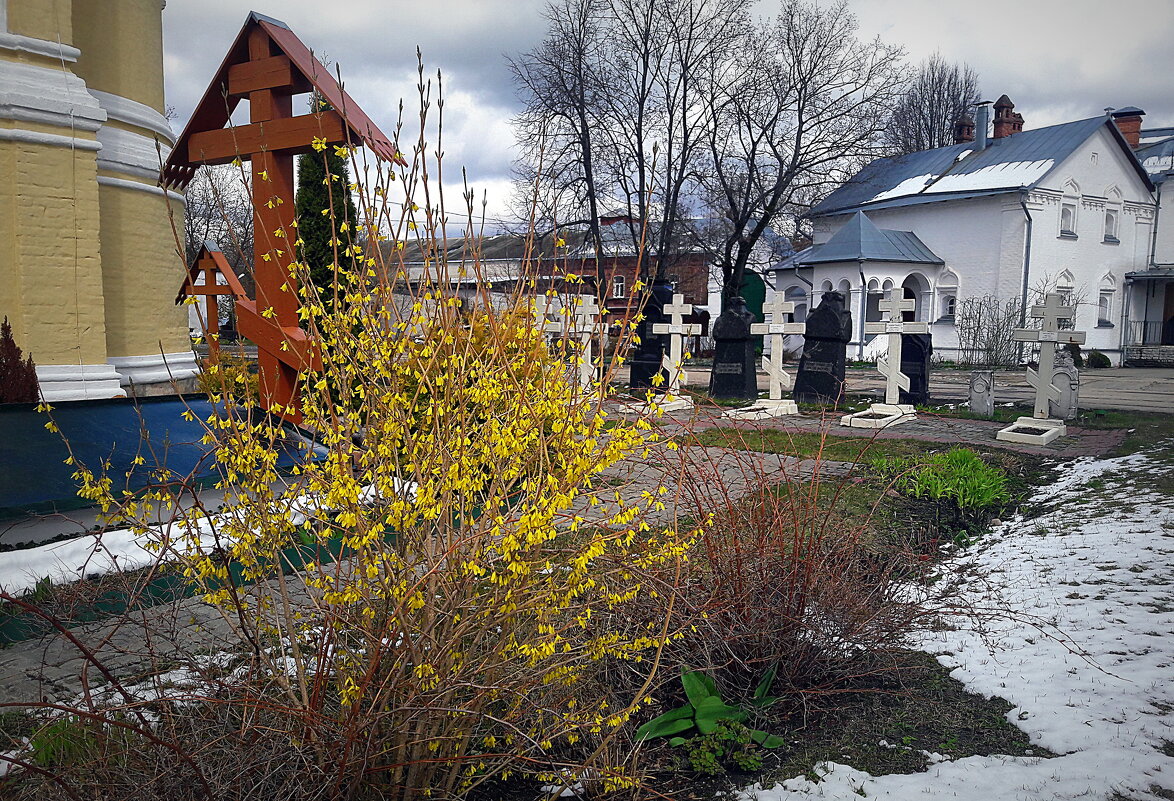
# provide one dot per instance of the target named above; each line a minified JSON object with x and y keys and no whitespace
{"x":776,"y":329}
{"x":583,"y":326}
{"x":544,"y":320}
{"x":1048,"y":335}
{"x":889,"y":364}
{"x":677,"y":329}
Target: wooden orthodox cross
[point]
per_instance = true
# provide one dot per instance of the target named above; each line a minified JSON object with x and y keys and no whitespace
{"x":267,"y":65}
{"x":677,"y":329}
{"x":1048,"y":335}
{"x":776,"y":329}
{"x":888,"y":364}
{"x":210,"y":262}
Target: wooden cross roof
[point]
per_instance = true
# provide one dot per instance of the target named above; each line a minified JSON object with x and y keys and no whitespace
{"x":296,"y":70}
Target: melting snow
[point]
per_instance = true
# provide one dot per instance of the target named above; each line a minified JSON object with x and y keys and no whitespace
{"x":1096,"y":567}
{"x":996,"y":176}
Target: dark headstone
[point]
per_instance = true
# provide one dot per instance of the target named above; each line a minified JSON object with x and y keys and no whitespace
{"x":646,"y":361}
{"x":734,"y":373}
{"x":825,"y":349}
{"x":915,"y":352}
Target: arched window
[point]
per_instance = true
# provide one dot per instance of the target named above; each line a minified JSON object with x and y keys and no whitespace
{"x":872,"y":303}
{"x":1068,"y":208}
{"x":619,"y":287}
{"x":1105,"y":297}
{"x":1112,"y":215}
{"x":796,"y":295}
{"x":947,"y":292}
{"x":1111,"y":225}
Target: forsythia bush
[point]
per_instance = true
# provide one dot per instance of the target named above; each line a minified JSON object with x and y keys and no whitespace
{"x":423,"y":603}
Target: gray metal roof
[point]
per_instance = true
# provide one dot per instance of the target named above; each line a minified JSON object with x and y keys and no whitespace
{"x":1157,"y":158}
{"x":860,"y":240}
{"x":1007,"y":164}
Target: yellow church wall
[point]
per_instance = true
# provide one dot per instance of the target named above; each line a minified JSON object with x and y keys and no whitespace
{"x":141,"y":315}
{"x":52,"y":278}
{"x":121,"y":53}
{"x":41,"y":19}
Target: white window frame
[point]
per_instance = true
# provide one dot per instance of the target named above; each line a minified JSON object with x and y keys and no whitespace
{"x":619,"y":286}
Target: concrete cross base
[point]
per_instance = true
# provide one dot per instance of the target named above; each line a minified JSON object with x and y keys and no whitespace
{"x":662,"y":402}
{"x":880,"y":415}
{"x":667,"y":403}
{"x":1033,"y":431}
{"x":763,"y":409}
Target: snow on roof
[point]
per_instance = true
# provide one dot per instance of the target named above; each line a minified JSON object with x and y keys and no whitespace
{"x":1007,"y":164}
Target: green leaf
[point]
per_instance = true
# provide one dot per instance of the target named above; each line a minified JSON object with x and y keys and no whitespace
{"x":765,"y":740}
{"x":713,"y":709}
{"x":677,"y":720}
{"x":698,"y":686}
{"x":675,"y":741}
{"x":762,"y":691}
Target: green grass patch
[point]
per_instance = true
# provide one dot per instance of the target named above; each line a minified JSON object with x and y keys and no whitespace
{"x":808,"y":445}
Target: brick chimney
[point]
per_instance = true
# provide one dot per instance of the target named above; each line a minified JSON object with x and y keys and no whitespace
{"x":1128,"y":121}
{"x":964,"y":129}
{"x":1007,"y":122}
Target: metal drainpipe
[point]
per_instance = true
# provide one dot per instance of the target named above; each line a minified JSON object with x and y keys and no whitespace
{"x":863,"y":311}
{"x":1026,"y":268}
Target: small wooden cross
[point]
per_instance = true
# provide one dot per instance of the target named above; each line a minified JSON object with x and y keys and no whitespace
{"x":1048,"y":335}
{"x":776,"y":329}
{"x":894,"y":324}
{"x":677,"y":329}
{"x":210,"y":261}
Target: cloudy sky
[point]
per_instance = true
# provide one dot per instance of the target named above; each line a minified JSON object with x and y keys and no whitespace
{"x":1058,"y":60}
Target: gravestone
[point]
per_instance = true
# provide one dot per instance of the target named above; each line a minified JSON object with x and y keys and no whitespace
{"x":1066,"y":379}
{"x":734,"y":374}
{"x":825,"y":348}
{"x":916,"y":350}
{"x":982,"y":393}
{"x":1041,"y":428}
{"x":648,"y":359}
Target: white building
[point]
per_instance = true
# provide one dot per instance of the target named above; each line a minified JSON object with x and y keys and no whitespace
{"x":1067,"y":208}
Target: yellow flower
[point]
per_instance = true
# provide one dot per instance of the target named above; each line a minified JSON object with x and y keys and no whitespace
{"x":318,"y":143}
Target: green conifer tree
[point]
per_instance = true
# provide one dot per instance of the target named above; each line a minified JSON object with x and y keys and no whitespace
{"x":315,"y":229}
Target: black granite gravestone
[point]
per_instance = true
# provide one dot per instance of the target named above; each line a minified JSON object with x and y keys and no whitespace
{"x":915,"y":352}
{"x":825,"y":347}
{"x":646,"y":361}
{"x":734,"y":374}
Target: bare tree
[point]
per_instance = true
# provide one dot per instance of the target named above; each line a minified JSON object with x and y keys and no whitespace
{"x":613,"y":114}
{"x":791,"y":115}
{"x":937,"y":96}
{"x":219,"y":209}
{"x":561,"y":83}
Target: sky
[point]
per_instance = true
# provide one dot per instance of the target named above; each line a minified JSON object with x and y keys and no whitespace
{"x":1058,"y":60}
